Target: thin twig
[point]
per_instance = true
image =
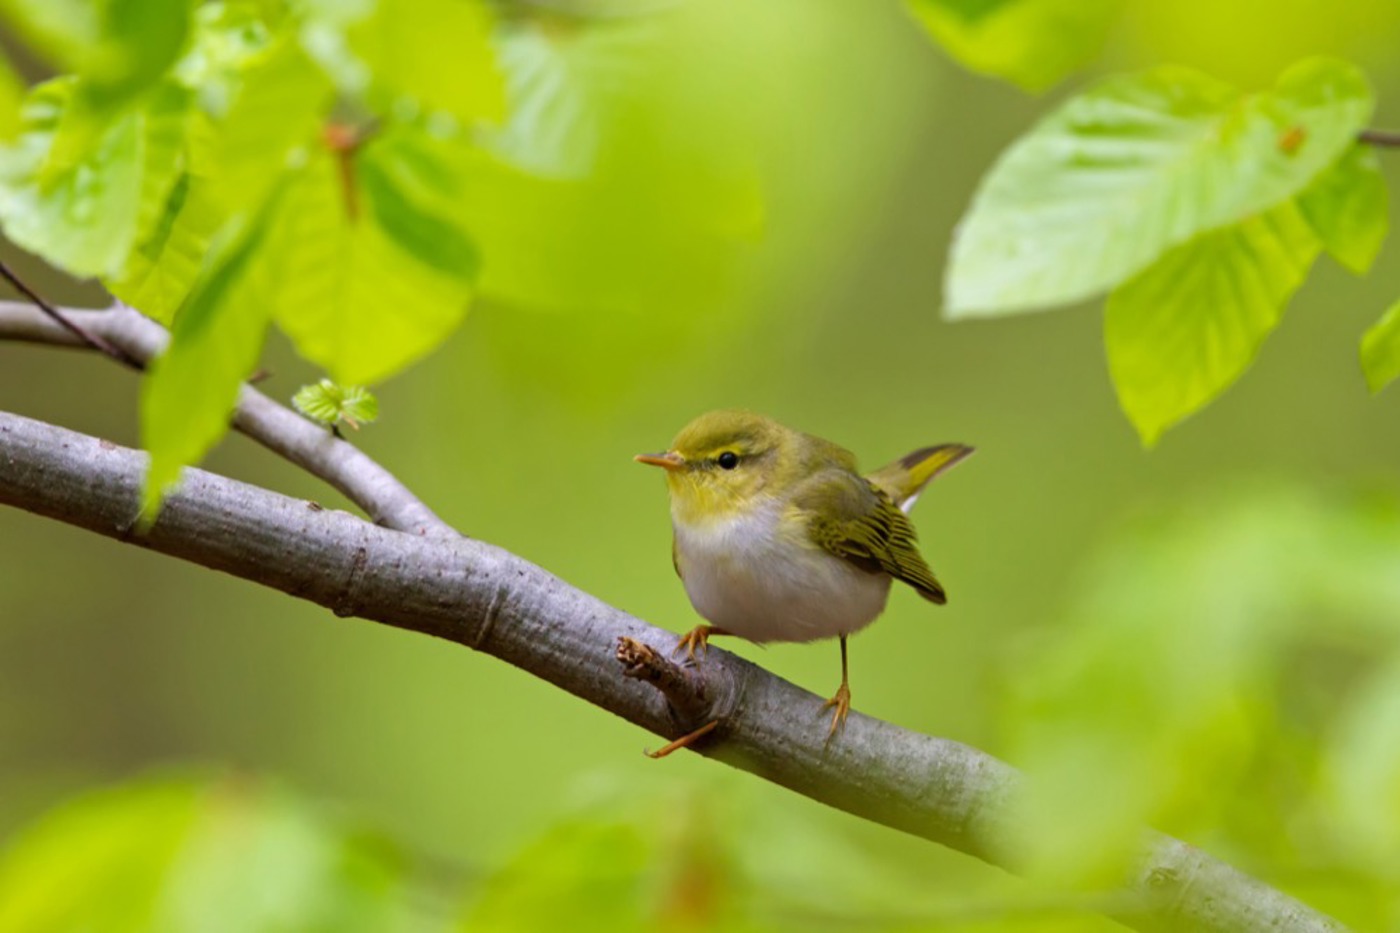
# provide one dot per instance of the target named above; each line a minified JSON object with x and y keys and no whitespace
{"x":91,"y":339}
{"x":275,"y":426}
{"x":681,"y":687}
{"x":1388,"y":139}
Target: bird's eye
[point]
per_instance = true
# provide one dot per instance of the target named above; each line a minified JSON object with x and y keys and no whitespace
{"x":728,"y":460}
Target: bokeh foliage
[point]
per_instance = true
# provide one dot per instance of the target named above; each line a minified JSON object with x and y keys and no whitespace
{"x":1249,"y":647}
{"x":655,"y":208}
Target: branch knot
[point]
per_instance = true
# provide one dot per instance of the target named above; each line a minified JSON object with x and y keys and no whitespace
{"x":683,"y":689}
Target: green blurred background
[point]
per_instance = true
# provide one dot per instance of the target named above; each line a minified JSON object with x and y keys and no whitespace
{"x":863,"y":142}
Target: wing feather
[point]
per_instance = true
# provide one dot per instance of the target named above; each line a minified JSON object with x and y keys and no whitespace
{"x":855,"y":520}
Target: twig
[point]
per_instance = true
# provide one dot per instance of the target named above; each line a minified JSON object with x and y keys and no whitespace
{"x":682,"y":688}
{"x":1385,"y":138}
{"x":91,"y":339}
{"x":934,"y":788}
{"x":275,"y":426}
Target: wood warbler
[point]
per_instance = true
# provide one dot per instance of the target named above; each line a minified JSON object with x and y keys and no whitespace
{"x":779,"y":538}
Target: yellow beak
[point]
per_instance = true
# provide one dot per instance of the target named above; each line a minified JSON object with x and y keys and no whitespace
{"x":668,"y":460}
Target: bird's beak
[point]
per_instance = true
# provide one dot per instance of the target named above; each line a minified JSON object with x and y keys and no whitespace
{"x":670,"y":460}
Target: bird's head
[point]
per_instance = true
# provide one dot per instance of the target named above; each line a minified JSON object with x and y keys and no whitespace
{"x":725,"y":462}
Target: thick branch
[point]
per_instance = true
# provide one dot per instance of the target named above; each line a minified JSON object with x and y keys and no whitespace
{"x":485,"y":598}
{"x":275,"y":426}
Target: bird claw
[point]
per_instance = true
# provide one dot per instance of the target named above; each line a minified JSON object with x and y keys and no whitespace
{"x":842,"y":704}
{"x":684,"y":741}
{"x":698,"y":637}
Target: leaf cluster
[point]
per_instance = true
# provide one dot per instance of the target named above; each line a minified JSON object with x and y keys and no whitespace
{"x":1198,"y":208}
{"x":354,"y":174}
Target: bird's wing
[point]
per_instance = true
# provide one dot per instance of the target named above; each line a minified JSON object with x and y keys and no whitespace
{"x":676,"y":558}
{"x":853,"y":519}
{"x":904,"y":479}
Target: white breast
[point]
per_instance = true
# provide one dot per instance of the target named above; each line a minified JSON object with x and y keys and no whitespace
{"x":743,"y":576}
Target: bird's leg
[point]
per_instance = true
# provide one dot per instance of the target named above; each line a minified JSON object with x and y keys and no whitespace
{"x":698,"y":637}
{"x":684,"y":741}
{"x":842,"y":700}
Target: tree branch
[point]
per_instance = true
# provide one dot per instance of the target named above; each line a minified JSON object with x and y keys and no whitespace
{"x":1385,"y":138}
{"x":311,"y":447}
{"x":485,"y":598}
{"x":74,"y":329}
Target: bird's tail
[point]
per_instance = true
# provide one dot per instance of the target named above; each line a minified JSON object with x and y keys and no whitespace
{"x":904,"y":479}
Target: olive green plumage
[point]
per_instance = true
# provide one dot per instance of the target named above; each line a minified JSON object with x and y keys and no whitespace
{"x":850,"y":517}
{"x":728,"y":469}
{"x":778,"y":537}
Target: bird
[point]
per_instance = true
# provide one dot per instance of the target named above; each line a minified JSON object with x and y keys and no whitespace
{"x":779,"y":538}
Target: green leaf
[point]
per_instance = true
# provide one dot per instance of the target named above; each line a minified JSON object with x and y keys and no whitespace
{"x":118,"y":47}
{"x":436,"y":52}
{"x":436,"y":242}
{"x":160,"y":272}
{"x":82,"y":193}
{"x":331,"y":404}
{"x":82,"y":215}
{"x":563,"y":87}
{"x":1380,"y":350}
{"x":12,"y":90}
{"x":1180,"y":333}
{"x":61,"y":31}
{"x":1122,"y":173}
{"x":277,"y":108}
{"x":270,"y":104}
{"x":1349,"y":208}
{"x":165,"y":119}
{"x":192,"y":388}
{"x":365,"y":289}
{"x":140,"y":40}
{"x":228,"y":41}
{"x":1031,"y":43}
{"x":179,"y":854}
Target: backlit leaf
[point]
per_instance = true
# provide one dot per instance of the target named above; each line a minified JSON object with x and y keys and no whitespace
{"x":62,"y":31}
{"x":118,"y":47}
{"x":81,"y":215}
{"x":436,"y":52}
{"x":329,"y":403}
{"x":271,"y":102}
{"x":1349,"y":208}
{"x":563,"y":82}
{"x":1137,"y":165}
{"x":12,"y":90}
{"x":1031,"y":43}
{"x":188,"y":398}
{"x":1180,"y":333}
{"x":140,"y":40}
{"x":369,"y":278}
{"x":1380,"y":350}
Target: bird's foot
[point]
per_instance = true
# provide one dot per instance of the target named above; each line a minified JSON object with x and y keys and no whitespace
{"x":696,"y":638}
{"x":842,"y":705}
{"x":684,"y":741}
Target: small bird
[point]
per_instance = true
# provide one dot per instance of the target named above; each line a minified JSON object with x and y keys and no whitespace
{"x":778,"y":537}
